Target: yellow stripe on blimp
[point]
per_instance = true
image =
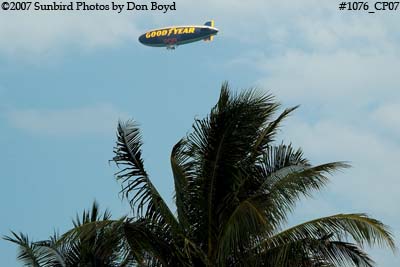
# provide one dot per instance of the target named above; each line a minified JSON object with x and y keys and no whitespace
{"x":169,"y":31}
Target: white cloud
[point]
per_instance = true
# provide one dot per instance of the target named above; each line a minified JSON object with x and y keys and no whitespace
{"x":341,"y":77}
{"x":34,"y":35}
{"x":98,"y":119}
{"x":388,"y":116}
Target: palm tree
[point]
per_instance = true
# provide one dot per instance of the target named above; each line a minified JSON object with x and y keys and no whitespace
{"x":101,"y":246}
{"x":234,"y":189}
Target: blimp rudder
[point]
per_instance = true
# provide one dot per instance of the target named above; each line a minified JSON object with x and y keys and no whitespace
{"x":210,"y":23}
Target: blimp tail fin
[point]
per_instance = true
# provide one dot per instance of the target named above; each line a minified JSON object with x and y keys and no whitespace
{"x":209,"y":23}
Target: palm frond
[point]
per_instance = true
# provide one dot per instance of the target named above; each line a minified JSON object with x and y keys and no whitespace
{"x":100,"y":241}
{"x":92,"y":215}
{"x":240,"y":230}
{"x":136,"y":185}
{"x":182,"y":169}
{"x":34,"y":254}
{"x":278,"y":182}
{"x":277,"y":163}
{"x":267,"y":134}
{"x":311,"y":252}
{"x":283,"y":188}
{"x":153,"y":246}
{"x":361,"y":228}
{"x":340,"y":254}
{"x":219,"y":144}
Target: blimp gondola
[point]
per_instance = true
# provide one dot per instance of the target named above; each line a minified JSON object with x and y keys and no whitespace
{"x":171,"y":37}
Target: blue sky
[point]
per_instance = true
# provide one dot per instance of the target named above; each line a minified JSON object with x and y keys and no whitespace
{"x":66,"y":79}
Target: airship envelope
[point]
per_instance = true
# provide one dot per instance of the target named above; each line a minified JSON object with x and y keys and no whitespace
{"x":171,"y":37}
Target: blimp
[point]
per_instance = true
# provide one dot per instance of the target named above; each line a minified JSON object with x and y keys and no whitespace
{"x":172,"y":36}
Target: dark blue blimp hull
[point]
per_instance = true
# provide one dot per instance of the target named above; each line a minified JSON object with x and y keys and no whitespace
{"x":177,"y":35}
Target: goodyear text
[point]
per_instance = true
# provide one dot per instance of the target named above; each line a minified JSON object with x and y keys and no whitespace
{"x":169,"y":31}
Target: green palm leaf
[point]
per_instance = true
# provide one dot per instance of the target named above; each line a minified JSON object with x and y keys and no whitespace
{"x":360,"y":227}
{"x":136,"y":183}
{"x":34,"y":254}
{"x":321,"y":252}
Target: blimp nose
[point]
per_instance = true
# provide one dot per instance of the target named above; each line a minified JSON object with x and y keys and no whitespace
{"x":214,"y":30}
{"x":142,"y":38}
